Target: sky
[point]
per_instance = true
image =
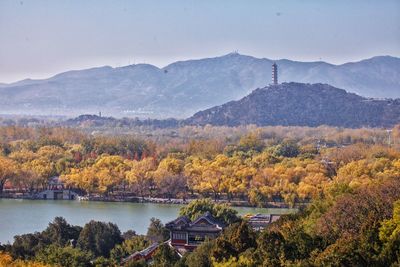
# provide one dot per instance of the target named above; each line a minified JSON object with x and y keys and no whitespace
{"x":40,"y":38}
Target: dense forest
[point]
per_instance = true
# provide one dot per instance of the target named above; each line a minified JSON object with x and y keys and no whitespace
{"x":348,"y":177}
{"x":257,"y":165}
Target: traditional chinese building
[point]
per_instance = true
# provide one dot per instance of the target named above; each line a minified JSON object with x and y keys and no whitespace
{"x":56,"y":190}
{"x":186,"y":235}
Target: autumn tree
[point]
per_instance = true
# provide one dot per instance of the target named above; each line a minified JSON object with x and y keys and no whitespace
{"x":169,"y":177}
{"x":110,"y":172}
{"x":389,"y":234}
{"x":140,"y":175}
{"x":85,"y":179}
{"x":8,"y":171}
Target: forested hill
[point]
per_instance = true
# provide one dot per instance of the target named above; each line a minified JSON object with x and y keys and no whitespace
{"x":302,"y":105}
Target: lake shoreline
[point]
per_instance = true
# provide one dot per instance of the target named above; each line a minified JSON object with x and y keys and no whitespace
{"x":174,"y":201}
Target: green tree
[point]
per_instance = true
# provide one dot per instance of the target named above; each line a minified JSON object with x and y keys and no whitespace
{"x":101,"y":262}
{"x":201,"y":256}
{"x":235,"y":240}
{"x":221,"y":212}
{"x":270,"y":247}
{"x":139,"y":263}
{"x":165,"y":256}
{"x":288,"y":149}
{"x":25,"y":246}
{"x":128,"y":247}
{"x":99,"y":238}
{"x":156,"y":232}
{"x":64,"y":256}
{"x":241,"y":236}
{"x":223,"y":249}
{"x":59,"y":232}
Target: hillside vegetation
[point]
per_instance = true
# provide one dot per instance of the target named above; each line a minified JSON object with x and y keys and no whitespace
{"x":298,"y":104}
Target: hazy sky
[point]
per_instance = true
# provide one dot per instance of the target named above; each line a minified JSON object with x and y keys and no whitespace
{"x":39,"y":38}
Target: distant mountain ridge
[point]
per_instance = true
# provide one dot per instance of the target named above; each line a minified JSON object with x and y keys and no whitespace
{"x":185,"y":87}
{"x":298,"y":104}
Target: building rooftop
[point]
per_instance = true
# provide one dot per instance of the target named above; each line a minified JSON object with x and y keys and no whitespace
{"x":203,"y":222}
{"x":143,"y":254}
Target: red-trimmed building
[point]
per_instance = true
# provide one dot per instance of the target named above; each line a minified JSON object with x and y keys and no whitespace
{"x":186,"y":235}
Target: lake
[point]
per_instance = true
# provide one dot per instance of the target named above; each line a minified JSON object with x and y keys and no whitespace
{"x":21,"y":216}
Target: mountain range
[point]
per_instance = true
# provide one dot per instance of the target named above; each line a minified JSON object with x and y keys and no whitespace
{"x":299,"y":104}
{"x":185,"y":87}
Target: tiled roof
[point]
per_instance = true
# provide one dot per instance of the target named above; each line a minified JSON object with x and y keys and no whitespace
{"x":143,"y":253}
{"x":207,"y":216}
{"x":184,"y":222}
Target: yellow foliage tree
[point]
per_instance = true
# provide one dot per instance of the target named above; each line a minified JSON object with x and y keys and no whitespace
{"x":140,"y":175}
{"x":170,"y":178}
{"x":8,"y":170}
